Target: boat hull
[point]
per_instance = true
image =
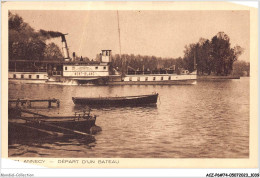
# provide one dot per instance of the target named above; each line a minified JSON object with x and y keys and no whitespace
{"x":145,"y":79}
{"x":18,"y":129}
{"x":172,"y":82}
{"x":117,"y":101}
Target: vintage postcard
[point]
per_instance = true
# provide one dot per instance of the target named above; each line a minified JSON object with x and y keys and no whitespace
{"x":130,"y":84}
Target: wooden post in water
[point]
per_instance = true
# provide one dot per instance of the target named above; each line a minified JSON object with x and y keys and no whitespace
{"x":58,"y":103}
{"x":17,"y":102}
{"x":28,"y":103}
{"x":49,"y":106}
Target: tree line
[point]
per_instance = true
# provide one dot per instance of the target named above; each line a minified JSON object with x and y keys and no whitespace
{"x":208,"y":57}
{"x":148,"y":63}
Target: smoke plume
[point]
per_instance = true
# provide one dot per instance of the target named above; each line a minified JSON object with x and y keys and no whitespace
{"x":50,"y":34}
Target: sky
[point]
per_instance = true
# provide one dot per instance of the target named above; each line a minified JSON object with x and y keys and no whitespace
{"x":158,"y":33}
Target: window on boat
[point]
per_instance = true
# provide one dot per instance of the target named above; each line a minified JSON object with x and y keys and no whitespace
{"x":66,"y":68}
{"x":169,"y":77}
{"x":37,"y":76}
{"x":14,"y":75}
{"x":161,"y":78}
{"x":153,"y":78}
{"x":22,"y":76}
{"x":138,"y":78}
{"x":96,"y":67}
{"x":105,"y":67}
{"x":30,"y":76}
{"x":146,"y":78}
{"x":130,"y":78}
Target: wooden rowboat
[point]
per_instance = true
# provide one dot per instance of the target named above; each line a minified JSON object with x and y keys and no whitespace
{"x":117,"y":101}
{"x":38,"y":125}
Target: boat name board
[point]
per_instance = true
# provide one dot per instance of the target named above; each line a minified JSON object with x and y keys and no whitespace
{"x":69,"y":71}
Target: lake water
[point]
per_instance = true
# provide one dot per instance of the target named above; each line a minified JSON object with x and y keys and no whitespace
{"x":206,"y":120}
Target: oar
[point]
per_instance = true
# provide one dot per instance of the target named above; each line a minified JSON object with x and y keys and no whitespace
{"x":66,"y":129}
{"x":40,"y":130}
{"x":61,"y":128}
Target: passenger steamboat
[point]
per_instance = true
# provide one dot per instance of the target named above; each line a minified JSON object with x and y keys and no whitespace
{"x":70,"y":71}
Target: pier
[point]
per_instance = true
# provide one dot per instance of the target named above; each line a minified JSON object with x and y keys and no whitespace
{"x":29,"y":102}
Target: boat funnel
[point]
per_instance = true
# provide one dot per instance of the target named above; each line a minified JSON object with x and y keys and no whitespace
{"x":106,"y":56}
{"x":65,"y":48}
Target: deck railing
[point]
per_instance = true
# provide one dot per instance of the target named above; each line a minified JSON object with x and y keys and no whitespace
{"x":150,"y":72}
{"x":27,"y":70}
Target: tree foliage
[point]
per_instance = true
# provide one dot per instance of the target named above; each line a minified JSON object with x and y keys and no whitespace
{"x":52,"y":52}
{"x":27,"y":44}
{"x":215,"y":56}
{"x":241,"y":68}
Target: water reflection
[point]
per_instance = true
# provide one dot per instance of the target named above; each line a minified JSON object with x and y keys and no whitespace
{"x":49,"y":146}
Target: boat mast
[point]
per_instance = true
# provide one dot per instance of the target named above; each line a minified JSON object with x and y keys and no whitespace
{"x":83,"y":37}
{"x":194,"y":61}
{"x":119,"y":40}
